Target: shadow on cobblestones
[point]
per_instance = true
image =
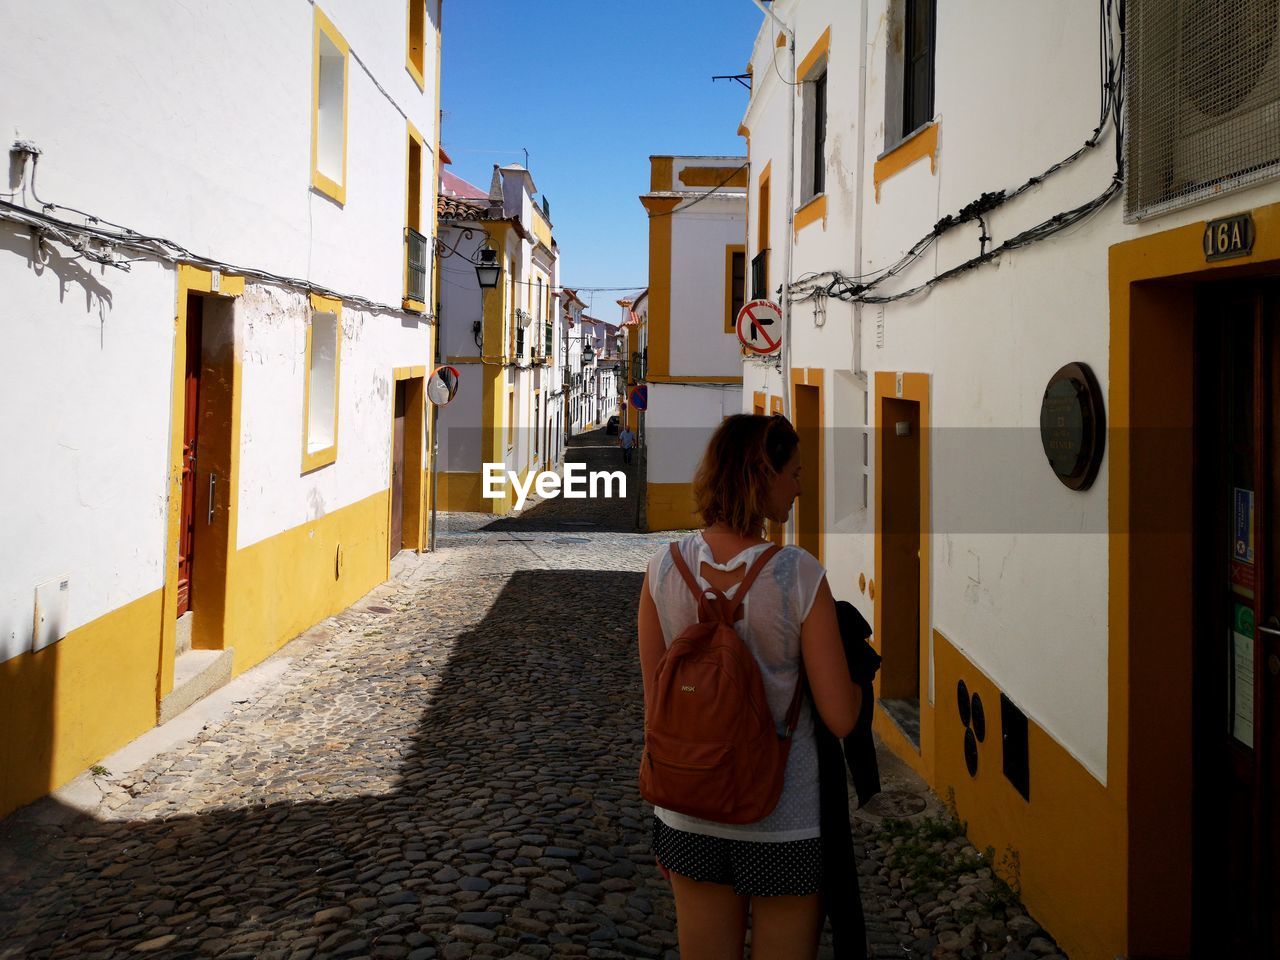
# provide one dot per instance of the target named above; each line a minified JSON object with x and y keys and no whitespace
{"x":595,"y":451}
{"x":468,"y":792}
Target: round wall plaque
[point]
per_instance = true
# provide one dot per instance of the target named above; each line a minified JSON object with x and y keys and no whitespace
{"x":1073,"y":425}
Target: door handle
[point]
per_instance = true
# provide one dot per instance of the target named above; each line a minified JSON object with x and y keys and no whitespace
{"x":213,"y":488}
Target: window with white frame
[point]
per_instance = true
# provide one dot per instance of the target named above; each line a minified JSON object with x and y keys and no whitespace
{"x":329,"y":110}
{"x":813,"y":172}
{"x":324,"y":336}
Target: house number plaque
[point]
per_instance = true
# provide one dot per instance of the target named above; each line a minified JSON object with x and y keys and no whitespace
{"x":1229,"y":237}
{"x":1073,"y":425}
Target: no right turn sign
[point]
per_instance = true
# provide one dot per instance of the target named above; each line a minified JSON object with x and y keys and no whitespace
{"x":759,"y":326}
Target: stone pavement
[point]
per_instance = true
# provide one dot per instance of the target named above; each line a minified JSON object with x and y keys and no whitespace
{"x":445,"y":769}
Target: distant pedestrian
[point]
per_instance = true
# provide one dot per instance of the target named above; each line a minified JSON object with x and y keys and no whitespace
{"x":773,"y":866}
{"x":627,"y":440}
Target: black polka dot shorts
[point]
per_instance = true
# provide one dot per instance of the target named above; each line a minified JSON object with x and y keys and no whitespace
{"x":790,"y":868}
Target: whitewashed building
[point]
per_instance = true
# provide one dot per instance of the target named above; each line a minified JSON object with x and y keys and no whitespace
{"x":1035,"y":381}
{"x":216,"y":290}
{"x":505,"y":342}
{"x":692,"y":361}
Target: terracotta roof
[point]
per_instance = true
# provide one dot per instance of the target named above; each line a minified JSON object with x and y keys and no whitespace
{"x":452,"y":208}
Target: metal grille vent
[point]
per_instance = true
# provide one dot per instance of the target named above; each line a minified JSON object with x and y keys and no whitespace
{"x":1203,"y":100}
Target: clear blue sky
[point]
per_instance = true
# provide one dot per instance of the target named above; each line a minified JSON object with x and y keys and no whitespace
{"x":591,"y":88}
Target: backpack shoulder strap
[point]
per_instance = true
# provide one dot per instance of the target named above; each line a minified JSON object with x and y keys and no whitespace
{"x":685,"y":572}
{"x":745,"y":583}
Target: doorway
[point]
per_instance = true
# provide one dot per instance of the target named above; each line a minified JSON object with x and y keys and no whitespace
{"x":898,"y":587}
{"x":808,"y":510}
{"x":408,"y":443}
{"x":190,"y":443}
{"x":1236,"y":675}
{"x":396,"y":539}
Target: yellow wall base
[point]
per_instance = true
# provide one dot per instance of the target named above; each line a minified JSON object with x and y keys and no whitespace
{"x":288,"y":582}
{"x":669,"y":506}
{"x":70,"y":704}
{"x":1067,"y":841}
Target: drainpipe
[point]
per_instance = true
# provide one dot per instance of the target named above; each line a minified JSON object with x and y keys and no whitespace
{"x":785,"y":356}
{"x":859,"y":192}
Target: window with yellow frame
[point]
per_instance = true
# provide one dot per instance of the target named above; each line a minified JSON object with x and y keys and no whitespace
{"x":414,"y":56}
{"x":320,"y":389}
{"x":330,"y":59}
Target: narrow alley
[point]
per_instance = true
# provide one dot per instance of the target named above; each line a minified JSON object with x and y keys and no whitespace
{"x":440,"y":772}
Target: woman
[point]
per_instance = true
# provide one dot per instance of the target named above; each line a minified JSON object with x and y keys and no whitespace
{"x":773,"y":867}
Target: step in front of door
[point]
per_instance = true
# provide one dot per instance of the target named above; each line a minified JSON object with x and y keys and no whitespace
{"x":196,"y":674}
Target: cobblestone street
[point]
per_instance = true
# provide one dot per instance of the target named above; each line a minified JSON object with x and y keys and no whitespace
{"x":445,"y":769}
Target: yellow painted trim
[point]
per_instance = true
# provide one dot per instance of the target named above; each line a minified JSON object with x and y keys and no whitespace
{"x":326,"y":185}
{"x":292,"y":580}
{"x":764,"y":201}
{"x":1152,"y":315}
{"x":670,"y":506}
{"x":780,"y":41}
{"x":69,"y":705}
{"x":744,"y":131}
{"x":818,"y":51}
{"x":189,"y":280}
{"x":414,"y":488}
{"x":659,"y":315}
{"x":1071,"y":829}
{"x":415,"y":69}
{"x":731,"y":321}
{"x":412,"y":218}
{"x":712,"y":177}
{"x":923,"y":143}
{"x":510,"y":420}
{"x":811,"y":212}
{"x":759,"y":402}
{"x":813,"y":377}
{"x":462,"y":491}
{"x":915,"y":387}
{"x":661,"y":173}
{"x":682,"y":378}
{"x":313,"y":460}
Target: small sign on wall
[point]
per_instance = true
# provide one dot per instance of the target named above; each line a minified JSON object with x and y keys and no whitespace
{"x":1073,"y":425}
{"x":1229,"y":237}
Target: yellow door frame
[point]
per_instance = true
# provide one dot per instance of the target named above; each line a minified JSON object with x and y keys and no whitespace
{"x":915,"y":387}
{"x":190,"y":280}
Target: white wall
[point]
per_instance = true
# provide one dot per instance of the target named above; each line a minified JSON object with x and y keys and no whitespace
{"x":1019,"y":563}
{"x":699,"y":345}
{"x":678,"y":424}
{"x":205,"y":137}
{"x":274,"y":494}
{"x":85,"y":382}
{"x":195,"y":125}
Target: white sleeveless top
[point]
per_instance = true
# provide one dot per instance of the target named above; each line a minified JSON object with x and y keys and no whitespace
{"x":775,"y":607}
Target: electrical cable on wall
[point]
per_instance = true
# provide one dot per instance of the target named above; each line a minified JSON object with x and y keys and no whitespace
{"x":1111,"y":109}
{"x":98,"y":244}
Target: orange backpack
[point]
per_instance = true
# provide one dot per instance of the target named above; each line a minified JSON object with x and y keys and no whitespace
{"x":711,"y":749}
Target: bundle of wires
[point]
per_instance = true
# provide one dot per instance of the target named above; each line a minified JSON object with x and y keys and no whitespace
{"x":862,"y":289}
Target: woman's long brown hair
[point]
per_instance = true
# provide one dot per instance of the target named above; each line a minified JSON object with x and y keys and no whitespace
{"x":745,"y":454}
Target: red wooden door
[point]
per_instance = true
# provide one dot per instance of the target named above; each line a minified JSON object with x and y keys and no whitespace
{"x":190,"y":420}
